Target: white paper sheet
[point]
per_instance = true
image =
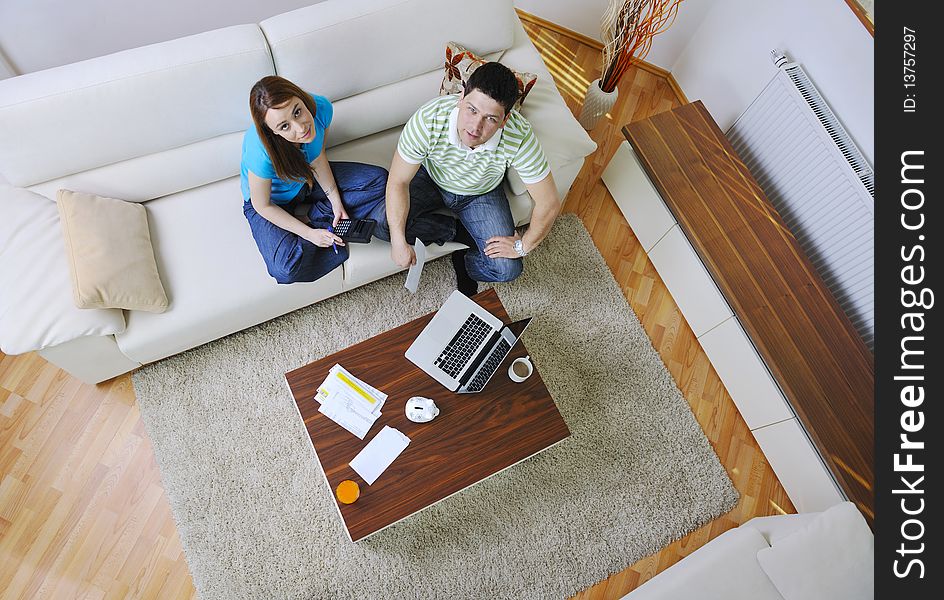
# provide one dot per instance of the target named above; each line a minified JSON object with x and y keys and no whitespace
{"x":379,"y":453}
{"x":413,"y":276}
{"x":349,"y":414}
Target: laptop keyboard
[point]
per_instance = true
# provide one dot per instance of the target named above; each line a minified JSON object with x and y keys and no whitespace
{"x":463,"y":344}
{"x":494,"y":359}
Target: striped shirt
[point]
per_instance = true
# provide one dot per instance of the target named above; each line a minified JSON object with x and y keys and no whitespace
{"x":430,"y":138}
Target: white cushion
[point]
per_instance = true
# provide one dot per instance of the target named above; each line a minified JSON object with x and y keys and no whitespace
{"x":563,"y":139}
{"x":831,"y":558}
{"x":376,"y":149}
{"x":776,"y":527}
{"x":129,"y":104}
{"x":565,"y":176}
{"x":146,"y":177}
{"x":339,"y":49}
{"x":90,"y":358}
{"x":36,"y":307}
{"x":214,"y":277}
{"x":357,"y":116}
{"x":723,"y":569}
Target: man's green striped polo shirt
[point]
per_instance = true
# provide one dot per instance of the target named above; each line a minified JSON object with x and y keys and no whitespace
{"x":430,"y":138}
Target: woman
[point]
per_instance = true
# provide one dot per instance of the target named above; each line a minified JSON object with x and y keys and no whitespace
{"x":292,"y":196}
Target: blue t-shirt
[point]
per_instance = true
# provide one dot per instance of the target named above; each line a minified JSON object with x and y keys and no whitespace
{"x":256,"y":159}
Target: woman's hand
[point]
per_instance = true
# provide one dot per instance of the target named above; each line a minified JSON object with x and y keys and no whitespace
{"x":339,"y":213}
{"x":323,"y":238}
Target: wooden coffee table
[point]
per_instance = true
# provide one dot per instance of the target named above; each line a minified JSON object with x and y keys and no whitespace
{"x":474,"y":436}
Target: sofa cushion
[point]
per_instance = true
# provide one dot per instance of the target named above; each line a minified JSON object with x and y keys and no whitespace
{"x":145,"y":177}
{"x":725,"y":568}
{"x":135,"y":103}
{"x":776,"y":527}
{"x":391,"y":46}
{"x":357,"y":116}
{"x":213,"y":274}
{"x":831,"y":558}
{"x":108,"y":249}
{"x":36,"y":308}
{"x":563,"y":139}
{"x":90,"y":358}
{"x":462,"y":62}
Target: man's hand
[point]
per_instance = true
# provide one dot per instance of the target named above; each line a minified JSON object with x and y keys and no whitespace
{"x":398,"y":208}
{"x":402,"y":254}
{"x":501,"y":246}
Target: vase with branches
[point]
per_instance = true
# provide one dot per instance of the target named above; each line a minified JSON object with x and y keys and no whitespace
{"x":627,"y":27}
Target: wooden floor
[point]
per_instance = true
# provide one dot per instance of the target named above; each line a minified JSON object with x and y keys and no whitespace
{"x":82,"y":510}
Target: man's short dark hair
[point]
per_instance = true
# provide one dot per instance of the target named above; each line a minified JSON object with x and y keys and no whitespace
{"x":496,"y":81}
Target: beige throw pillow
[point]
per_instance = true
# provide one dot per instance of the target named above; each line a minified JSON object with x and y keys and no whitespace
{"x":108,"y":248}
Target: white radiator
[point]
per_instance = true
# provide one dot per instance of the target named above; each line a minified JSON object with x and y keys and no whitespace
{"x":818,"y":181}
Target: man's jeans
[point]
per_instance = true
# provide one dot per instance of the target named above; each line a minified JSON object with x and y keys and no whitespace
{"x":483,"y":216}
{"x":289,"y":258}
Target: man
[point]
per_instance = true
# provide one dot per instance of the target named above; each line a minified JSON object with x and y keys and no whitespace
{"x":453,"y":153}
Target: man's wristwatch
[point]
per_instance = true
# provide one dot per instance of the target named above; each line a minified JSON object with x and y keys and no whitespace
{"x":519,"y":248}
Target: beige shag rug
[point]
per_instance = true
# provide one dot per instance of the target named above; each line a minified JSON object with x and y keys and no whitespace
{"x":255,"y":515}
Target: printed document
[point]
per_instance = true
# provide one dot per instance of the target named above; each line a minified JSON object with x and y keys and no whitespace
{"x":349,"y":401}
{"x":341,"y":382}
{"x":349,"y":414}
{"x":379,"y":453}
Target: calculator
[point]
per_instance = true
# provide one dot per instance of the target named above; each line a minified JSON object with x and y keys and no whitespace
{"x":357,"y":231}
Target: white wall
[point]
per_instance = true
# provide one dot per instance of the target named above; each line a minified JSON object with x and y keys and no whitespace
{"x":582,"y":16}
{"x":669,"y":45}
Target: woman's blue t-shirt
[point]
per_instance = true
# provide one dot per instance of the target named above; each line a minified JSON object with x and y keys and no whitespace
{"x":256,"y":159}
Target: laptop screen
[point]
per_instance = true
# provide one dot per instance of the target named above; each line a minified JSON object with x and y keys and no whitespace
{"x":481,"y":369}
{"x":517,"y":328}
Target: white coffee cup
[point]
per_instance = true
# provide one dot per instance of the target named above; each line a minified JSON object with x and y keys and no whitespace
{"x":520,"y":369}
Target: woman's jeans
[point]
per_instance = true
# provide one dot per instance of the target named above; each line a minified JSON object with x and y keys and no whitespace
{"x":483,"y":216}
{"x":289,"y":258}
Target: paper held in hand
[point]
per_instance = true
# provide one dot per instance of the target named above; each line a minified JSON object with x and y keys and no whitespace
{"x":416,"y":271}
{"x":349,"y":402}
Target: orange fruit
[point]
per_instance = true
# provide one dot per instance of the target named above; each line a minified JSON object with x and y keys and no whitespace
{"x":348,"y":491}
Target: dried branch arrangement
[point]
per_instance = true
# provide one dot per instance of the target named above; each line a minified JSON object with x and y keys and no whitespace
{"x":628,"y":27}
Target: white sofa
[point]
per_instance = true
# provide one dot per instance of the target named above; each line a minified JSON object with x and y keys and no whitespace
{"x":809,"y":556}
{"x":163,"y":124}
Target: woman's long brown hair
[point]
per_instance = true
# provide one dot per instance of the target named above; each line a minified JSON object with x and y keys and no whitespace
{"x":288,"y":160}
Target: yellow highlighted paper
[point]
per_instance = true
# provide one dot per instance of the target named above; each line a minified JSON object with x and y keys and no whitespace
{"x":356,"y":388}
{"x":350,"y":402}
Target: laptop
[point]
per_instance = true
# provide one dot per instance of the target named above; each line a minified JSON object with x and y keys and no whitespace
{"x":463,"y":345}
